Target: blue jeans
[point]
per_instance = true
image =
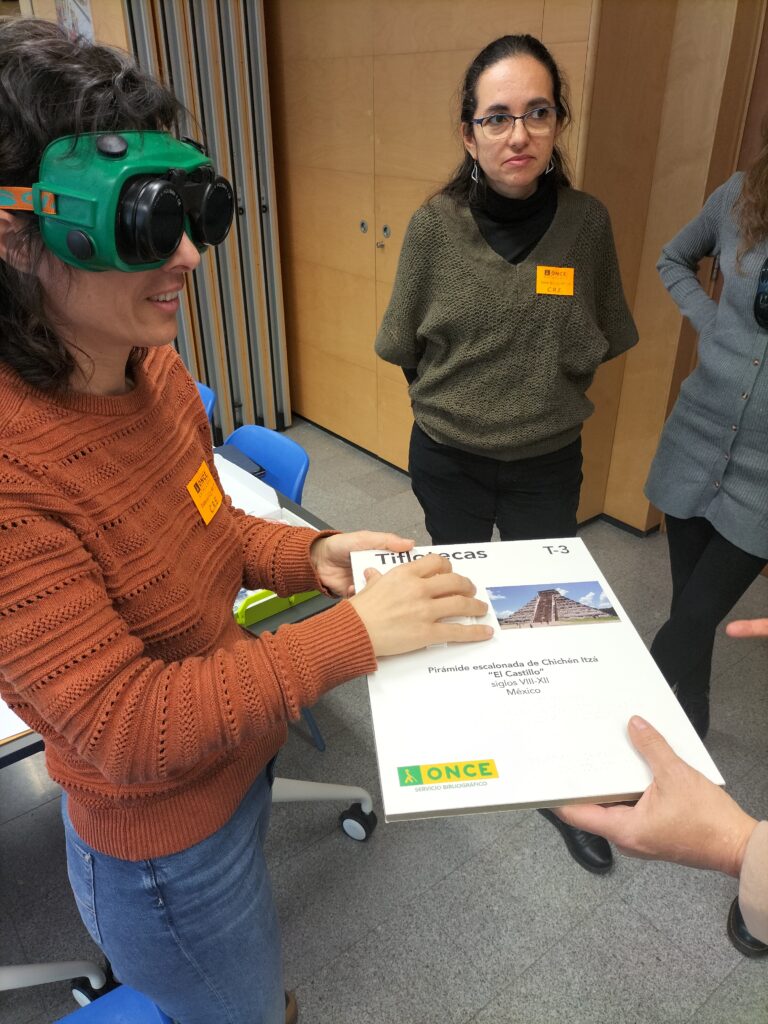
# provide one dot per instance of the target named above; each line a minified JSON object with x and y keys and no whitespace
{"x":197,"y":931}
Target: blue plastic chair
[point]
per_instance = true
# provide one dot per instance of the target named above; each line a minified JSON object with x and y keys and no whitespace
{"x":208,"y":397}
{"x":284,"y":461}
{"x":122,"y":1005}
{"x":285,"y":465}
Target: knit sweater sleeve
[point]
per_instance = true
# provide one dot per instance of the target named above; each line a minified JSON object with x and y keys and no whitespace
{"x":70,"y":665}
{"x":276,"y":556}
{"x":613,"y":314}
{"x":398,"y":338}
{"x":679,"y":261}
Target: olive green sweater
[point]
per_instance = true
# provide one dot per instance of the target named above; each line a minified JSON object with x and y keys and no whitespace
{"x":501,"y":370}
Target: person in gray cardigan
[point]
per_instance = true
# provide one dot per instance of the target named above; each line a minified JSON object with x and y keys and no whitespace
{"x":710,"y":473}
{"x":507,"y":299}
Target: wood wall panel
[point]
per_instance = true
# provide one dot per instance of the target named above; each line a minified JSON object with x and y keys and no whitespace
{"x":327,"y":109}
{"x":424,"y":26}
{"x":336,"y":394}
{"x":395,"y":420}
{"x":699,"y":55}
{"x":631,"y":61}
{"x":334,"y":312}
{"x":757,"y":111}
{"x":322,"y":213}
{"x":306,"y":29}
{"x":395,"y":200}
{"x":566,"y":20}
{"x":416,"y":110}
{"x":571,"y":58}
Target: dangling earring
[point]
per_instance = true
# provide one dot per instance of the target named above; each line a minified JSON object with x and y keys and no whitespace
{"x":550,"y":165}
{"x":475,"y":175}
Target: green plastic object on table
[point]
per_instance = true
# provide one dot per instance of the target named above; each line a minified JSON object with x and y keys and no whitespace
{"x":262,"y":604}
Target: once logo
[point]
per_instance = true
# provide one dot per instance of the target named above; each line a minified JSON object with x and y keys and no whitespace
{"x":451,"y":771}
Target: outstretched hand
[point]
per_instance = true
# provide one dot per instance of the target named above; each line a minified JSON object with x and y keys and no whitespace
{"x":402,"y":608}
{"x":681,"y":817}
{"x":330,"y":556}
{"x":747,"y":627}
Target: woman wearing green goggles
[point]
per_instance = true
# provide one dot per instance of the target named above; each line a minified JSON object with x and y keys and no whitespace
{"x":121,"y":558}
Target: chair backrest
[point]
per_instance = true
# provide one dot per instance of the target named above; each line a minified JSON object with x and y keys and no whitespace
{"x":285,"y":462}
{"x":208,"y":397}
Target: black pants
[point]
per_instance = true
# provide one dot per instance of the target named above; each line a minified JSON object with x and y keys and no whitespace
{"x":464,"y":495}
{"x":709,"y":575}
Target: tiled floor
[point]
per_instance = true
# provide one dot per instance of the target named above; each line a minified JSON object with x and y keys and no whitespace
{"x":450,"y":921}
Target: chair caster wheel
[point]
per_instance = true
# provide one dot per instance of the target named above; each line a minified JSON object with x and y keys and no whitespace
{"x":357,"y":824}
{"x":83,"y":991}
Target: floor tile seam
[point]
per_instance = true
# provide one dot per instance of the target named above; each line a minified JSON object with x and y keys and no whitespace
{"x":558,"y":941}
{"x":325,"y":965}
{"x":561,"y":937}
{"x":670,"y":939}
{"x":457,"y":867}
{"x":384,"y":920}
{"x":299,"y":850}
{"x":730,"y":666}
{"x":29,"y":810}
{"x":700,"y":1006}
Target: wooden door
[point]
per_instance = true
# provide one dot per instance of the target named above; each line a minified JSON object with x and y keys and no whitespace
{"x":321,"y":82}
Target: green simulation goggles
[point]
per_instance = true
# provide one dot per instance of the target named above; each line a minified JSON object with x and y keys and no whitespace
{"x":123,"y":200}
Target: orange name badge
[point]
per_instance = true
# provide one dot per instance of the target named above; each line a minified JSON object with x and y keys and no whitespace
{"x":554,"y":280}
{"x":205,"y":493}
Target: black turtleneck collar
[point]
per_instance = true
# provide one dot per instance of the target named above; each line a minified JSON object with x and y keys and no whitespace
{"x":513,"y":227}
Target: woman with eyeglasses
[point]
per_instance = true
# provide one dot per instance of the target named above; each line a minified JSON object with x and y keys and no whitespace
{"x":710,"y":472}
{"x":120,"y":557}
{"x":507,"y":299}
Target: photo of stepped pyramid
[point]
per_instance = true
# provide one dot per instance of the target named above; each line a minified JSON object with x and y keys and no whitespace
{"x":551,"y":604}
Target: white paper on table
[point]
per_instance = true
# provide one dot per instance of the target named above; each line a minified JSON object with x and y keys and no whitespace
{"x":247,"y":492}
{"x":546,"y":705}
{"x":253,"y":496}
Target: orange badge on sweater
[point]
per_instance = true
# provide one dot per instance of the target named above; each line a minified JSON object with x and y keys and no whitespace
{"x":554,"y":280}
{"x":205,"y":493}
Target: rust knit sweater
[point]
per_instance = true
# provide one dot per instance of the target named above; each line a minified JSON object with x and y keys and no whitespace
{"x":117,"y":640}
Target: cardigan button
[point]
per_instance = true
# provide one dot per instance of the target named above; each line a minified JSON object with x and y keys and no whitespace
{"x":734,"y":427}
{"x":745,"y":394}
{"x":717,"y":483}
{"x":755,"y":362}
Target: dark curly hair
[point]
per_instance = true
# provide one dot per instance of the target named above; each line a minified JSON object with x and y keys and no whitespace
{"x":51,"y":86}
{"x":460,"y":185}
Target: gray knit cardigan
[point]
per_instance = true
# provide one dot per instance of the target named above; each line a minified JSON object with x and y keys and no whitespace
{"x":502,"y":370}
{"x":712,"y":460}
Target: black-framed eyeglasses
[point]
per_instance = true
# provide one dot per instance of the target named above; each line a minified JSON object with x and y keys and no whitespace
{"x":539,"y":121}
{"x":761,"y":297}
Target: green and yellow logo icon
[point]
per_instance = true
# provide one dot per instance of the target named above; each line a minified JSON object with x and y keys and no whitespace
{"x":450,"y":771}
{"x":410,"y":775}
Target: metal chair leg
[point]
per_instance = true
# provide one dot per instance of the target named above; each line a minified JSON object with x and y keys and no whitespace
{"x":314,"y":729}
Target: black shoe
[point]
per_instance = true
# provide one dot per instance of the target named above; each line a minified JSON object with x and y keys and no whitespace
{"x":591,"y":851}
{"x":742,"y":939}
{"x":696,"y":706}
